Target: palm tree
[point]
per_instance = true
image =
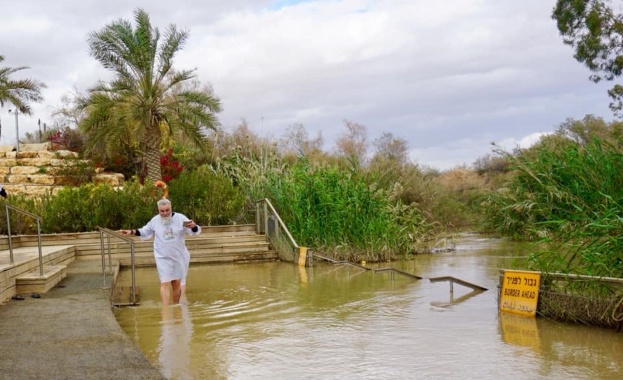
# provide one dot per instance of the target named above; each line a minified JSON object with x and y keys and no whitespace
{"x":147,"y":100}
{"x":18,"y":92}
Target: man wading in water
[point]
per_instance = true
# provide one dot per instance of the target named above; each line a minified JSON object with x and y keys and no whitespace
{"x":172,"y":256}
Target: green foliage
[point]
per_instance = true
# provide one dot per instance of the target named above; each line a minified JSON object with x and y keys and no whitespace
{"x":329,"y":210}
{"x":76,"y":172}
{"x":206,"y":197}
{"x":83,"y":208}
{"x":87,"y":207}
{"x":19,"y":222}
{"x":148,"y":101}
{"x":570,"y":196}
{"x":595,"y":31}
{"x":18,"y":92}
{"x":66,"y":138}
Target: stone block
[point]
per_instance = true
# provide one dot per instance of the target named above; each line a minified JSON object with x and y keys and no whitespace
{"x":36,"y":161}
{"x":65,"y":154}
{"x":65,"y":180}
{"x":34,"y":147}
{"x":49,"y":154}
{"x":21,"y":154}
{"x":42,"y":179}
{"x":8,"y":162}
{"x":18,"y":178}
{"x":24,"y":170}
{"x":112,"y":179}
{"x":39,"y":190}
{"x":65,"y":162}
{"x":14,"y":188}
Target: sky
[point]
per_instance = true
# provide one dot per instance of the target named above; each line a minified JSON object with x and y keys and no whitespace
{"x":449,"y":77}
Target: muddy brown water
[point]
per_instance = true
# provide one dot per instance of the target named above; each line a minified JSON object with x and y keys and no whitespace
{"x":279,"y":321}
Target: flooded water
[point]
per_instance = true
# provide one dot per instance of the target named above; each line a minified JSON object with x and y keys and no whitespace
{"x":279,"y":321}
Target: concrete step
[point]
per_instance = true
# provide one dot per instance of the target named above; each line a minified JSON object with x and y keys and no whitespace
{"x":34,"y":282}
{"x":25,"y":266}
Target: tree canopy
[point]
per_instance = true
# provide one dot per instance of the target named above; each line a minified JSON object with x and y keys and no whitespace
{"x":148,"y":100}
{"x":19,"y":92}
{"x":595,"y":31}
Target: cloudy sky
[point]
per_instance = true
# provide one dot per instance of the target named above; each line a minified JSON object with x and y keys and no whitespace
{"x":450,"y":77}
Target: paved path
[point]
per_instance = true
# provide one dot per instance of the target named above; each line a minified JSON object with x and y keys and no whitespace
{"x":69,"y":333}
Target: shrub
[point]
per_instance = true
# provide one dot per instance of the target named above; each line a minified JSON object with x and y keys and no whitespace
{"x":87,"y":207}
{"x":340,"y":213}
{"x":206,"y":197}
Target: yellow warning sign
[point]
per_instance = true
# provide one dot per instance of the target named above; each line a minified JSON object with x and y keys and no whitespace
{"x":520,"y":292}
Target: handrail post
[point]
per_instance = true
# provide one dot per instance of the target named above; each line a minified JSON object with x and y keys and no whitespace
{"x":133,"y":274}
{"x":266,"y":219}
{"x":110,"y":271}
{"x":280,"y":236}
{"x":110,"y":233}
{"x":257,"y":218}
{"x":8,"y":226}
{"x":103,"y":258}
{"x":39,"y":245}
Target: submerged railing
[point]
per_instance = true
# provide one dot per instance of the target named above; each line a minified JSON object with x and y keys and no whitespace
{"x":109,"y":233}
{"x":8,"y":225}
{"x":268,"y":222}
{"x":375,"y":270}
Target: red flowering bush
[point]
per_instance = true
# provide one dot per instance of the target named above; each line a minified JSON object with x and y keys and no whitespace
{"x":171,"y":168}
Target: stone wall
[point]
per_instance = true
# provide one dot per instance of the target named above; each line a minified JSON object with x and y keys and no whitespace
{"x":37,"y":169}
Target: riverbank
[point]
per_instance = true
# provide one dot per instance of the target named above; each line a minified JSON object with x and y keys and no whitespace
{"x":69,"y":332}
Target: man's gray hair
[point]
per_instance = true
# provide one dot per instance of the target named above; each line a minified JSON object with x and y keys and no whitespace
{"x":164,"y":202}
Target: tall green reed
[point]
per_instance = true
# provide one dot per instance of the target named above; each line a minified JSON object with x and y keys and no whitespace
{"x":568,"y":196}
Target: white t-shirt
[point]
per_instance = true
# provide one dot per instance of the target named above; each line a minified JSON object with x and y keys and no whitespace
{"x":172,"y":256}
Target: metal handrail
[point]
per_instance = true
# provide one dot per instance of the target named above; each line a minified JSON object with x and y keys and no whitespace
{"x":571,"y":276}
{"x":8,"y":224}
{"x":262,"y":217}
{"x":112,"y":233}
{"x":375,"y":270}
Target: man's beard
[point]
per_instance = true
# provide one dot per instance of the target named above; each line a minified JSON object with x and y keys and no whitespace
{"x":166,"y":220}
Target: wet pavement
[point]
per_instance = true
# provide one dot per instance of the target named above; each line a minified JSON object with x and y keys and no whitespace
{"x":70,"y":332}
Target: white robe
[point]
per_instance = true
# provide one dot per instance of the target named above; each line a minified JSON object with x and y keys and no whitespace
{"x":172,"y":256}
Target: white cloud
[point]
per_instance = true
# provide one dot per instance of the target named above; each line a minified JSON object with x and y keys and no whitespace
{"x":450,"y":77}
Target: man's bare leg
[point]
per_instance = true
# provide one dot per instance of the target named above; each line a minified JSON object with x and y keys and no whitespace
{"x":177,"y":291}
{"x":165,"y":293}
{"x":183,"y":294}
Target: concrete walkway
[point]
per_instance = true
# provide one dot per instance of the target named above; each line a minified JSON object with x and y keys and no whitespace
{"x":69,"y":333}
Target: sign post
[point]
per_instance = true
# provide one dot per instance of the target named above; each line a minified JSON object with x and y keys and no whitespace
{"x":520,"y":292}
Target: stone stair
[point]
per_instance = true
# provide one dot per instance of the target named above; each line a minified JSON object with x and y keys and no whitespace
{"x":38,"y":169}
{"x":24,"y":275}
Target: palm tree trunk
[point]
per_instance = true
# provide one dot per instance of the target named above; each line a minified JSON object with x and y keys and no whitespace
{"x":152,"y":154}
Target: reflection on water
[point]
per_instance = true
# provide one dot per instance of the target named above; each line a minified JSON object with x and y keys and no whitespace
{"x":279,"y":321}
{"x":520,"y":330}
{"x":174,"y":344}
